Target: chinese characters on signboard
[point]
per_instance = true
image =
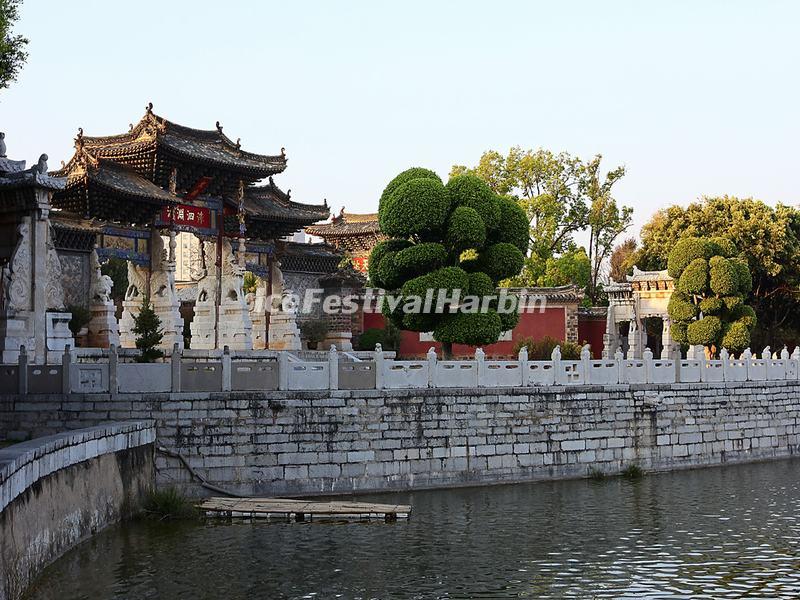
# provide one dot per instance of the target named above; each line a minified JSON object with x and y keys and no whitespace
{"x":185,"y":215}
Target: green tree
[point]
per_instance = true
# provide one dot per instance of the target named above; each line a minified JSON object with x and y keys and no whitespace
{"x":622,"y":260}
{"x":12,"y":47}
{"x":147,"y":327}
{"x":707,"y":307}
{"x":457,"y":238}
{"x":768,"y":238}
{"x":606,"y":220}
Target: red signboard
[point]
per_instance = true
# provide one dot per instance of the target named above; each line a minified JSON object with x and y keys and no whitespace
{"x":360,"y":263}
{"x":187,"y":216}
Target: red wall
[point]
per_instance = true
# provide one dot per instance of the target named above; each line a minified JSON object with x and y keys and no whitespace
{"x":591,"y":331}
{"x":551,"y":322}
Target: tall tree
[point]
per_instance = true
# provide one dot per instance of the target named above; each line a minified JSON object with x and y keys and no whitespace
{"x":622,"y":260}
{"x":606,"y":221}
{"x":12,"y":47}
{"x":768,"y":238}
{"x":455,"y":239}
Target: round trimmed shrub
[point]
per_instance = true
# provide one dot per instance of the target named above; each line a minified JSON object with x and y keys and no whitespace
{"x":711,"y":306}
{"x":743,"y":277}
{"x":736,"y":336}
{"x":694,"y":278}
{"x":722,"y":246}
{"x":501,"y":261}
{"x":388,"y":273}
{"x":473,"y":329}
{"x":514,"y":227}
{"x":377,"y":254}
{"x":732,"y":303}
{"x":678,"y":333}
{"x":419,"y":259}
{"x":406,"y":176}
{"x":419,"y":206}
{"x":447,"y":278}
{"x":465,"y":229}
{"x":470,"y":190}
{"x":747,"y":315}
{"x":680,"y":308}
{"x":724,"y":280}
{"x":480,"y":284}
{"x":509,"y":320}
{"x":685,"y":251}
{"x":704,"y":332}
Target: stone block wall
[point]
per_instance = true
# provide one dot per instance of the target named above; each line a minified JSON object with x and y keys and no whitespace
{"x":58,"y":490}
{"x":273,"y":443}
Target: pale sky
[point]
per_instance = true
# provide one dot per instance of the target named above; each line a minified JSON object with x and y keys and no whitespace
{"x":693,"y":97}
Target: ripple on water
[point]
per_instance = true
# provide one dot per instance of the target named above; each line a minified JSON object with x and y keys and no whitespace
{"x":716,"y":533}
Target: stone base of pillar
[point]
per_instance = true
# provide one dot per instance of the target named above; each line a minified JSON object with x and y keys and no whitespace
{"x":283,"y":332}
{"x":235,"y":327}
{"x":103,"y":326}
{"x":130,"y":308}
{"x":343,"y":340}
{"x":260,"y":334}
{"x":59,"y":335}
{"x":171,"y":325}
{"x":202,"y":327}
{"x":16,"y":329}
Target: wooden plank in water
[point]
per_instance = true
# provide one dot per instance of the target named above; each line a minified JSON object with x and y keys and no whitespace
{"x":301,"y":510}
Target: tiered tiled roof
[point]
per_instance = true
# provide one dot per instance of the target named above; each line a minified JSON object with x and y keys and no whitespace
{"x":309,"y":258}
{"x":350,"y":231}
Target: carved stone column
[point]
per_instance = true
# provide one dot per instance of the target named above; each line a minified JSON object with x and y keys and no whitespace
{"x":283,"y":334}
{"x":164,"y":297}
{"x":666,"y":339}
{"x":634,"y":341}
{"x":132,"y":304}
{"x":103,"y":326}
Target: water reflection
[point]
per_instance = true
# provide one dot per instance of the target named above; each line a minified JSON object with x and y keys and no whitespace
{"x":715,"y":533}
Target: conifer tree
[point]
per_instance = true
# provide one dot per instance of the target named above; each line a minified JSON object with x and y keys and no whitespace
{"x":147,"y":327}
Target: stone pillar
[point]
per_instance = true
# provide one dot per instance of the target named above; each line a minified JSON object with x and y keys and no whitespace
{"x":235,"y":326}
{"x":163,"y":296}
{"x":283,"y":334}
{"x":257,"y":306}
{"x":666,"y":339}
{"x":103,"y":326}
{"x":610,"y":337}
{"x":634,"y":341}
{"x":132,"y":304}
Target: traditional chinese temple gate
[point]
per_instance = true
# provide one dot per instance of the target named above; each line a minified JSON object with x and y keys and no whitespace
{"x":129,"y":189}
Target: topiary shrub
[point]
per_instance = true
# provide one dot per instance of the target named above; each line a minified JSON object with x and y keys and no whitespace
{"x":462,"y":237}
{"x":708,"y":307}
{"x":465,"y":229}
{"x":501,"y":261}
{"x":470,"y":190}
{"x":514,"y":227}
{"x":419,"y":207}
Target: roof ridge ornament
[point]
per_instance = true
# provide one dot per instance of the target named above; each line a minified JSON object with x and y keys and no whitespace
{"x":2,"y":145}
{"x":79,"y":139}
{"x":149,"y":108}
{"x":238,"y":143}
{"x":219,"y":127}
{"x":283,"y":151}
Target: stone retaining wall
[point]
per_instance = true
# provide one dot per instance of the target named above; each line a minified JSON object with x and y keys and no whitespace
{"x":339,"y":441}
{"x":59,"y":489}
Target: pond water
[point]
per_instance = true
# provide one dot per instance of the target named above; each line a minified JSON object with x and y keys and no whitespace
{"x":728,"y":532}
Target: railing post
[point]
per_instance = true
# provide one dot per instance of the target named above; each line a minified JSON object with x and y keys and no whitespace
{"x":620,"y":358}
{"x":283,"y":370}
{"x":555,"y":357}
{"x":226,"y":369}
{"x":379,"y":367}
{"x":22,"y":372}
{"x":431,"y":367}
{"x":113,"y":360}
{"x":796,"y":359}
{"x":785,"y":361}
{"x":333,"y":368}
{"x":676,"y":355}
{"x":703,"y":367}
{"x":66,"y":362}
{"x":480,"y":367}
{"x":647,"y":356}
{"x":586,"y":363}
{"x":747,"y":356}
{"x":725,"y":358}
{"x":523,"y":366}
{"x":175,"y":363}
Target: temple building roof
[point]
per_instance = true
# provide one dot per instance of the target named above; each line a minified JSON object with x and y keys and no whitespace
{"x":103,"y":189}
{"x":309,"y":258}
{"x":270,"y":213}
{"x":155,"y":147}
{"x":352,"y":232}
{"x":14,"y":175}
